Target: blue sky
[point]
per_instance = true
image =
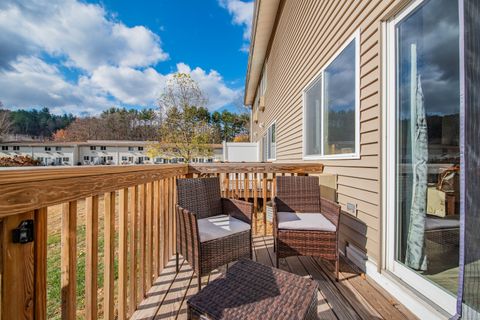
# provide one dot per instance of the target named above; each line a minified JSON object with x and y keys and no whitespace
{"x":83,"y":57}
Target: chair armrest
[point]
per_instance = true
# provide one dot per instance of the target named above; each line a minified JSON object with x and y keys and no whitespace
{"x":331,"y":210}
{"x":239,"y":209}
{"x":188,"y":236}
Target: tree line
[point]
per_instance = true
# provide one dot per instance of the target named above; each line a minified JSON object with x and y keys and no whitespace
{"x":161,"y":124}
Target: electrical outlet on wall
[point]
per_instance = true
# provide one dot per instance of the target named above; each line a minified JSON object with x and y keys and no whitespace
{"x":352,"y":208}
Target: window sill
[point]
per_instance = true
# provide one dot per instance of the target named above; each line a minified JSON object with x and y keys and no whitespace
{"x":347,"y":156}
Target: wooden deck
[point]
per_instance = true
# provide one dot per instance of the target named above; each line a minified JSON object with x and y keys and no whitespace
{"x":353,"y":297}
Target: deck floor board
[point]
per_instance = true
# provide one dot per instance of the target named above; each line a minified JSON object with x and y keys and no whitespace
{"x":352,"y":297}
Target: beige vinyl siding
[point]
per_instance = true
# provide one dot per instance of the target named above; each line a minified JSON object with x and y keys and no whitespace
{"x":308,"y":34}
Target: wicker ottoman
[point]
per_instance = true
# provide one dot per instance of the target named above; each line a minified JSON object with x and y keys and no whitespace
{"x":253,"y":291}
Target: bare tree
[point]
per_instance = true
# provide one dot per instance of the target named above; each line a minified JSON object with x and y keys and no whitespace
{"x":185,"y":130}
{"x":5,"y":122}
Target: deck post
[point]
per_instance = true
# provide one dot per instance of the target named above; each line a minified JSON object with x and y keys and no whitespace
{"x":17,"y":271}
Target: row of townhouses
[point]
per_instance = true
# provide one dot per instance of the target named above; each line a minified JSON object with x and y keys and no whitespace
{"x":94,"y":152}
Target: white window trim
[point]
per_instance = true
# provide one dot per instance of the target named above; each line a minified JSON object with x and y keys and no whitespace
{"x":268,"y":141}
{"x":356,"y":155}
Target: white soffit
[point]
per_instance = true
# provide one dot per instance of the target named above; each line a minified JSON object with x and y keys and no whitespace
{"x":264,"y":20}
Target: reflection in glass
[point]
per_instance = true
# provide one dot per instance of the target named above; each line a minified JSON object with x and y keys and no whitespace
{"x":428,"y":157}
{"x":339,"y":110}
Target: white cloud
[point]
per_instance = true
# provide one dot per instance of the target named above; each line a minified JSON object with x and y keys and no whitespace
{"x":82,"y":33}
{"x":33,"y":83}
{"x":213,"y":86}
{"x":128,"y":85}
{"x":111,"y":63}
{"x":242,"y":14}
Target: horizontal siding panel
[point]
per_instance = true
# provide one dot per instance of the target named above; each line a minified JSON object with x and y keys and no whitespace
{"x":372,"y":149}
{"x":370,"y":113}
{"x":369,"y":137}
{"x":367,"y":196}
{"x":365,"y":184}
{"x":367,"y":173}
{"x":308,"y":34}
{"x":369,"y":125}
{"x":363,"y":162}
{"x":371,"y":209}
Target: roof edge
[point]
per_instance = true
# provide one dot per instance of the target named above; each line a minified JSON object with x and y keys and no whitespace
{"x":265,"y":14}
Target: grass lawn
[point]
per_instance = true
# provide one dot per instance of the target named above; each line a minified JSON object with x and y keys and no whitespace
{"x":54,"y":264}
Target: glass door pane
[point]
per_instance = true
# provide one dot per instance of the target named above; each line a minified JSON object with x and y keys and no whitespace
{"x":428,"y":156}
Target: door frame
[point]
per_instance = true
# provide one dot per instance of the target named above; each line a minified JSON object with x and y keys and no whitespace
{"x":439,"y":296}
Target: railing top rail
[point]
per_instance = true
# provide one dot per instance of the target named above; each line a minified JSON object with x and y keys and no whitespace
{"x":255,"y":167}
{"x":26,"y":189}
{"x":23,"y":190}
{"x":30,"y":174}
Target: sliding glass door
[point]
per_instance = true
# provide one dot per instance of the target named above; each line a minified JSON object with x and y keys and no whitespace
{"x":425,"y":157}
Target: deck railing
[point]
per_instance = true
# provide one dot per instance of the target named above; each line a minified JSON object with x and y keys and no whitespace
{"x":115,"y":224}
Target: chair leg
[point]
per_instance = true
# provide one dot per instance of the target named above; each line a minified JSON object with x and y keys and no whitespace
{"x":176,"y":262}
{"x":199,"y":278}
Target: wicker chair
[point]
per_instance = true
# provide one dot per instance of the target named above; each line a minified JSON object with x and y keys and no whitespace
{"x":304,"y":224}
{"x":211,"y":231}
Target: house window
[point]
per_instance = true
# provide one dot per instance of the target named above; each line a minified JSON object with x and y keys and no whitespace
{"x":16,"y":148}
{"x":58,"y":148}
{"x":4,"y":148}
{"x":66,"y":159}
{"x":331,"y":107}
{"x":130,"y":148}
{"x":103,"y":148}
{"x":271,"y":144}
{"x":109,"y":158}
{"x":140,"y":148}
{"x":48,"y":149}
{"x":93,"y":148}
{"x":86,"y":158}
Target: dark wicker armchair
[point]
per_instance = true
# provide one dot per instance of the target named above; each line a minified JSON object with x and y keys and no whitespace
{"x":211,"y":231}
{"x":304,"y":224}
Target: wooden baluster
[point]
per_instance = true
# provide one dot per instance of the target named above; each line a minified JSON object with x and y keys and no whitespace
{"x":255,"y":202}
{"x":17,"y":271}
{"x":236,"y":195}
{"x":148,"y":236}
{"x":246,"y":186}
{"x":109,"y":255}
{"x":122,"y":256}
{"x":227,"y":185}
{"x":171,"y":219}
{"x":91,"y":260}
{"x":133,"y":244}
{"x":161,"y":260}
{"x":69,"y":260}
{"x":264,"y":205}
{"x":166,"y":257}
{"x":40,"y":263}
{"x":174,"y":216}
{"x":141,"y":271}
{"x":156,"y":230}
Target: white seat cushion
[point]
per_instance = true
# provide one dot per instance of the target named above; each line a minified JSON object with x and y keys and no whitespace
{"x":220,"y":226}
{"x":304,"y":221}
